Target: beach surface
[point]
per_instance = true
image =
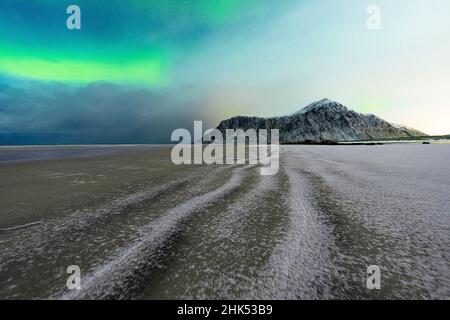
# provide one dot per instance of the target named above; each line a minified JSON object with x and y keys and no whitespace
{"x":140,"y":227}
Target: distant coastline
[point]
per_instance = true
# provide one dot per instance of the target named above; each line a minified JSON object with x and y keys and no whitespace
{"x":421,"y":139}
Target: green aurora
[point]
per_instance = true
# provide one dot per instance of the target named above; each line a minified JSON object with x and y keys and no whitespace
{"x":148,"y":67}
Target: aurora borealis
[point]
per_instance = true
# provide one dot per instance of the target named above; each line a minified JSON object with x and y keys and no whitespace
{"x":138,"y":69}
{"x":130,"y":42}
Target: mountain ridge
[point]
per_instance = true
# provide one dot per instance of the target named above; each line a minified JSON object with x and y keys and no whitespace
{"x":323,"y":121}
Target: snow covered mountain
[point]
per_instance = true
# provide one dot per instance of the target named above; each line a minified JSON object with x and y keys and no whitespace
{"x":323,"y":121}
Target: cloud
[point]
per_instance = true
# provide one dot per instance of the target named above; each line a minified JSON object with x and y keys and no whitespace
{"x":95,"y":113}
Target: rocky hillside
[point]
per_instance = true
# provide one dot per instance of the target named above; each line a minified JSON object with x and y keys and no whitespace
{"x":323,"y":121}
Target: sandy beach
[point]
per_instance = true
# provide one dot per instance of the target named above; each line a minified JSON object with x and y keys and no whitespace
{"x":140,"y":227}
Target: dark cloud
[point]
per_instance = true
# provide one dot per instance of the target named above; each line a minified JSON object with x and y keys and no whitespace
{"x":96,"y":113}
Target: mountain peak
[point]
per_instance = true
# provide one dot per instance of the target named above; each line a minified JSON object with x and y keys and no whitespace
{"x":324,"y":103}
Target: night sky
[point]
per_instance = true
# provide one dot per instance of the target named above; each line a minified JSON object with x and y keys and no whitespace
{"x":139,"y":69}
